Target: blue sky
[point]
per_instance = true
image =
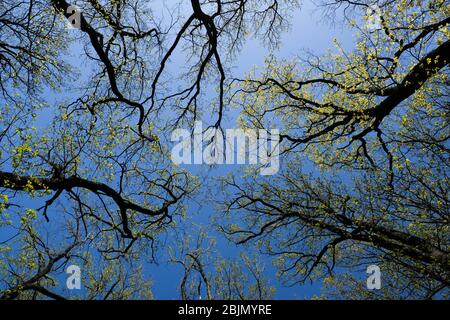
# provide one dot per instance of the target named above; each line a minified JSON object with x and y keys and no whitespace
{"x":310,"y":31}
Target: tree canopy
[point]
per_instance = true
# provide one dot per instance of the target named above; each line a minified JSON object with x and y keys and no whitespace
{"x":88,"y":106}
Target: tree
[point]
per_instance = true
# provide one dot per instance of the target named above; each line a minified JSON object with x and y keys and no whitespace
{"x":365,"y":151}
{"x":31,"y":266}
{"x":208,"y":276}
{"x":86,"y":177}
{"x":82,"y":147}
